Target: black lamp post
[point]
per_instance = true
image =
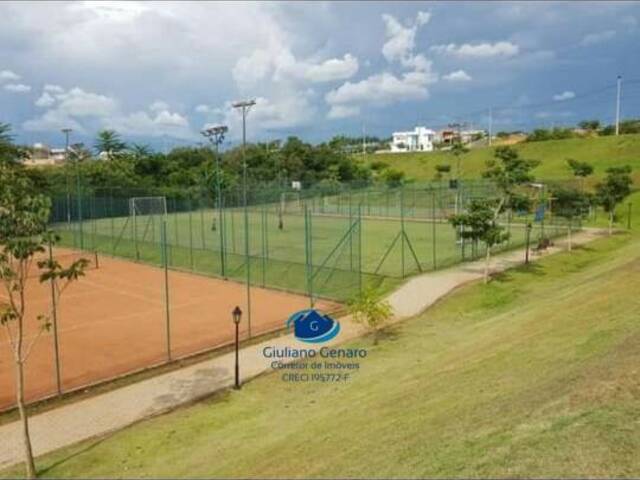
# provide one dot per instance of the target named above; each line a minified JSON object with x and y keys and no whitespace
{"x":237,"y":315}
{"x":528,"y":238}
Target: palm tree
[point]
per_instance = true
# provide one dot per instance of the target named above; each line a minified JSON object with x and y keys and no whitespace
{"x":109,"y":141}
{"x":5,"y":136}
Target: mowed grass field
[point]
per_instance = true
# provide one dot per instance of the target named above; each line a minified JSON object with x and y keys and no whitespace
{"x":279,"y":257}
{"x":533,"y":375}
{"x":601,"y":152}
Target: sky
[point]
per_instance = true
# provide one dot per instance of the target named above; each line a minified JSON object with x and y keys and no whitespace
{"x":159,"y":72}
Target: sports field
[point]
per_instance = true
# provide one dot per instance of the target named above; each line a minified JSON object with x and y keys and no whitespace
{"x":114,"y":321}
{"x":327,"y":247}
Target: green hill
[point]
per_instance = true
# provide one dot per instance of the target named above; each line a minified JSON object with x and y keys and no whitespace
{"x":535,"y":375}
{"x":601,"y":152}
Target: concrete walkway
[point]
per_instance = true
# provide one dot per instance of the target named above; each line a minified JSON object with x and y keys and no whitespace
{"x":119,"y":408}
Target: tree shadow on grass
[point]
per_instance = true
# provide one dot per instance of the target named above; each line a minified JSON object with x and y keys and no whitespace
{"x":507,"y":276}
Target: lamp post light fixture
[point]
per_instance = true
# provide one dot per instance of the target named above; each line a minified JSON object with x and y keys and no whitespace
{"x":237,"y":316}
{"x":215,"y":135}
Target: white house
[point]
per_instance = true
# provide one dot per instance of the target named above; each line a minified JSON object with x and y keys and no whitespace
{"x":418,"y":140}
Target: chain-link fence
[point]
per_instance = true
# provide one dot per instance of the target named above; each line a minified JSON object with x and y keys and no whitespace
{"x":324,"y":242}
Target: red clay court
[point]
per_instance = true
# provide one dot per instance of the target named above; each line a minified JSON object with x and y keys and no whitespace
{"x":113,"y":321}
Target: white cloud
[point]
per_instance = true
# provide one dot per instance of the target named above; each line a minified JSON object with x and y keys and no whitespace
{"x":457,"y":76}
{"x":566,"y":95}
{"x":158,"y":106}
{"x":599,"y":37}
{"x":479,"y":50}
{"x":53,"y":120}
{"x":342,"y":111}
{"x":17,"y":87}
{"x":8,"y":75}
{"x":53,"y":88}
{"x":202,"y":108}
{"x":629,"y":21}
{"x":162,"y":123}
{"x":332,"y":69}
{"x":276,"y":63}
{"x":382,"y":89}
{"x":400,"y":40}
{"x":79,"y":103}
{"x":45,"y":100}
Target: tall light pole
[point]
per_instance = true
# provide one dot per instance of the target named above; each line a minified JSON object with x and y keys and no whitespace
{"x":618,"y":105}
{"x":215,"y":135}
{"x":244,"y":107}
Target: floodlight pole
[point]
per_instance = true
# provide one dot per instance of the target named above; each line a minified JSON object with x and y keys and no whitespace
{"x":215,"y":135}
{"x":244,"y":107}
{"x":66,"y":132}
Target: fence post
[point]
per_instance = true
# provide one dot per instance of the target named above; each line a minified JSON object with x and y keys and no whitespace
{"x":248,"y":263}
{"x":190,"y":233}
{"x":165,"y":264}
{"x":360,"y":248}
{"x":403,"y":234}
{"x":433,"y":227}
{"x":54,"y":317}
{"x":221,"y":227}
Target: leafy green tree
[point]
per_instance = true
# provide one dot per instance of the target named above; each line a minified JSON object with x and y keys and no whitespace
{"x":370,"y":310}
{"x":571,"y":204}
{"x":509,"y":172}
{"x":110,"y":142}
{"x":392,"y":177}
{"x":441,"y":171}
{"x":479,"y":223}
{"x":23,"y":238}
{"x":613,"y":190}
{"x":580,"y":169}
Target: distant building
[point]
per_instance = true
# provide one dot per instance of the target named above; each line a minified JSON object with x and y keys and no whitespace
{"x":449,"y":136}
{"x":419,"y":139}
{"x":41,"y":154}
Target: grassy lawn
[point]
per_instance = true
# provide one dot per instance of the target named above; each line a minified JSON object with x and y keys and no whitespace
{"x":535,"y":375}
{"x":601,"y":152}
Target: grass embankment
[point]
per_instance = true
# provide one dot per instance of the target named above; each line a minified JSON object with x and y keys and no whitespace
{"x":601,"y":152}
{"x":535,"y":374}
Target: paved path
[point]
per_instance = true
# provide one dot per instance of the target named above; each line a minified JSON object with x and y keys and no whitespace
{"x":119,"y":408}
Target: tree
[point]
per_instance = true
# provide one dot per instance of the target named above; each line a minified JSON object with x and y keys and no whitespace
{"x":589,"y":124}
{"x":458,"y":150}
{"x":479,"y":223}
{"x":615,"y":188}
{"x":509,"y":171}
{"x":109,"y":141}
{"x":23,"y":237}
{"x":367,"y":308}
{"x":570,"y":204}
{"x":442,"y":170}
{"x":580,"y":169}
{"x":393,"y":177}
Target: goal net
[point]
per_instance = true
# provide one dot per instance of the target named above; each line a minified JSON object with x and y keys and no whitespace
{"x":147,"y":215}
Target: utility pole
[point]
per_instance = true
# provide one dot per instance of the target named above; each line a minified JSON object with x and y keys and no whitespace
{"x":215,"y":135}
{"x":618,"y":105}
{"x":490,"y":124}
{"x":66,"y":132}
{"x":364,"y":142}
{"x":244,"y":106}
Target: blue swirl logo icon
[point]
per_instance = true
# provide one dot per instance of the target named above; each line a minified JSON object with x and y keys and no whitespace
{"x":313,"y":327}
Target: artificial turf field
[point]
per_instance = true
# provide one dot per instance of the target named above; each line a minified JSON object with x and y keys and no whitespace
{"x":532,"y":375}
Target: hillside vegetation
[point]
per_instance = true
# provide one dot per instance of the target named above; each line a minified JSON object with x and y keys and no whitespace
{"x":601,"y":152}
{"x":535,"y":374}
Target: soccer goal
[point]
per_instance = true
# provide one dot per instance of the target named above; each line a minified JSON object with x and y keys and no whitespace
{"x":146,"y":216}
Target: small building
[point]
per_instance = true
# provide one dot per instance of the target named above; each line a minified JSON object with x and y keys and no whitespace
{"x":419,"y":139}
{"x":41,"y":154}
